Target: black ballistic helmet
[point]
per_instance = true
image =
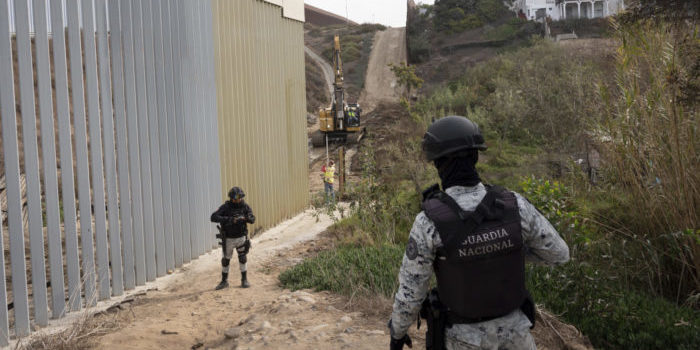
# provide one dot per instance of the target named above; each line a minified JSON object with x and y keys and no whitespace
{"x":451,"y":135}
{"x":236,"y":193}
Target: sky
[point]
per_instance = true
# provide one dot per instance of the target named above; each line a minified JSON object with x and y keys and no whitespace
{"x":387,"y":12}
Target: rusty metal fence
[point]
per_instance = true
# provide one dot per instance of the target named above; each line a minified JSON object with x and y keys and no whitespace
{"x":110,"y":153}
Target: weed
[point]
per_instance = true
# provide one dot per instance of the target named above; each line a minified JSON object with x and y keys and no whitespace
{"x":349,"y":270}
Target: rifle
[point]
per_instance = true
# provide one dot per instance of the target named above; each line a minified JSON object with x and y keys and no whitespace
{"x":435,"y":315}
{"x":220,"y":235}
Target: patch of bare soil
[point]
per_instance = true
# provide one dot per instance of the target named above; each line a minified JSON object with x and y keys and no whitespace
{"x":317,"y":93}
{"x":189,"y":313}
{"x":380,"y":83}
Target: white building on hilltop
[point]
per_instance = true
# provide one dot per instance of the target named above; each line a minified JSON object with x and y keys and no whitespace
{"x":567,"y":9}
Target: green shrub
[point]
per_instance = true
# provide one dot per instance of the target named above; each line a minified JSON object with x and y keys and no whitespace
{"x":535,"y":95}
{"x":612,"y":316}
{"x":583,"y":27}
{"x":455,"y":16}
{"x":552,"y":198}
{"x":349,"y":270}
{"x":490,"y":10}
{"x":419,"y":29}
{"x":365,"y":28}
{"x":506,"y":31}
{"x":351,"y":53}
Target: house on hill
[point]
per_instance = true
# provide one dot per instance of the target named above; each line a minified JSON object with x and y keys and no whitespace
{"x":567,"y":9}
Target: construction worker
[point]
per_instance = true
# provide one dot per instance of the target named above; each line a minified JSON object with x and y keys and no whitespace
{"x":476,"y":238}
{"x":233,"y":218}
{"x":352,"y":117}
{"x":328,"y":179}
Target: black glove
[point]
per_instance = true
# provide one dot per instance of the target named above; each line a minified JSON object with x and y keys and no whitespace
{"x":397,"y":344}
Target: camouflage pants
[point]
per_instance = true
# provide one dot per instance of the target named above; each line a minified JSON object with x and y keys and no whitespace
{"x":239,"y":245}
{"x":515,"y":341}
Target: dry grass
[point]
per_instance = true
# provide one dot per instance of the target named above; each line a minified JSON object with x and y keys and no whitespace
{"x":82,"y":334}
{"x":653,"y":150}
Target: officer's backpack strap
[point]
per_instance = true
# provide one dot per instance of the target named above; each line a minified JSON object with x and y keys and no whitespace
{"x":435,"y":201}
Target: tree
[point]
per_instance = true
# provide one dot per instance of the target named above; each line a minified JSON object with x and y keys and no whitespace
{"x":406,"y":76}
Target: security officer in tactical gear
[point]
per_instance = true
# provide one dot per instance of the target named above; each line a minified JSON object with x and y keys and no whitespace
{"x":476,"y":239}
{"x":233,"y":218}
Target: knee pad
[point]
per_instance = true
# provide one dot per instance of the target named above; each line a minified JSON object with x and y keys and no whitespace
{"x":225,"y":262}
{"x":242,"y":258}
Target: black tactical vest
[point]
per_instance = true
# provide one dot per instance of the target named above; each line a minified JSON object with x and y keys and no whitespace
{"x":480,"y":268}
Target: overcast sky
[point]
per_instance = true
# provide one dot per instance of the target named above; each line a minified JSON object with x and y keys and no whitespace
{"x":387,"y":12}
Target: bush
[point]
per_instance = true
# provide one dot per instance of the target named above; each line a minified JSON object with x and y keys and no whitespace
{"x":553,"y":200}
{"x":583,"y":27}
{"x":349,"y":270}
{"x":537,"y":95}
{"x":612,"y":316}
{"x":455,"y":16}
{"x":419,"y":29}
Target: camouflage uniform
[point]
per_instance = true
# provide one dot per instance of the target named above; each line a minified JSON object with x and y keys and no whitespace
{"x":544,"y":245}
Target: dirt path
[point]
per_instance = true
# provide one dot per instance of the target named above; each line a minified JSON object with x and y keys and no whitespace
{"x":325,"y":68}
{"x":380,"y":84}
{"x":189,"y":311}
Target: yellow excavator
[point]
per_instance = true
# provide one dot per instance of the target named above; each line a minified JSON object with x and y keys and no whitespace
{"x":341,"y":121}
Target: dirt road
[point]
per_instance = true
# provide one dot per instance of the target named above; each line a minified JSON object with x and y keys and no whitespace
{"x":326,"y":68}
{"x":189,"y":312}
{"x":380,"y":84}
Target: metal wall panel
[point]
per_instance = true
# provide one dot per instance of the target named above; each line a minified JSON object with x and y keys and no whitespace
{"x":262,"y":120}
{"x":141,"y":125}
{"x":66,"y":156}
{"x":133,"y":144}
{"x":169,"y":51}
{"x":81,"y":152}
{"x":150,"y":88}
{"x":156,"y":243}
{"x":115,"y":257}
{"x":48,"y":147}
{"x":96,"y":165}
{"x":12,"y":178}
{"x":126,"y":223}
{"x":31,"y":163}
{"x":165,"y":245}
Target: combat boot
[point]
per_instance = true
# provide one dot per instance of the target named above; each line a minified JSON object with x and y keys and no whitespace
{"x":244,"y":280}
{"x":224,"y":281}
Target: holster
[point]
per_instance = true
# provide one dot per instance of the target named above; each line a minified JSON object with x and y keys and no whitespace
{"x":435,"y":315}
{"x":246,"y":245}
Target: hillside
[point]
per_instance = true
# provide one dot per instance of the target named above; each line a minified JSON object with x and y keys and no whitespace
{"x":355,"y":44}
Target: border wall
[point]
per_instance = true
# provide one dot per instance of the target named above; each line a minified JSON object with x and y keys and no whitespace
{"x":262,"y":106}
{"x":124,"y":123}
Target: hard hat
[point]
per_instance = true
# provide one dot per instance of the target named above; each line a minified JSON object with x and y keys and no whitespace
{"x":451,"y":135}
{"x":236,"y":193}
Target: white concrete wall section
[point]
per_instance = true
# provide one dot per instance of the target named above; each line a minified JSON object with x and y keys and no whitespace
{"x":293,"y":9}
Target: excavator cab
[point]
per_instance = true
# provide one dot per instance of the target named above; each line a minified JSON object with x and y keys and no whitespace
{"x":352,"y":113}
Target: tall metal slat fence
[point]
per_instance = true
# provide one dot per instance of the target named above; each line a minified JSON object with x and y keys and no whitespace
{"x":110,"y":151}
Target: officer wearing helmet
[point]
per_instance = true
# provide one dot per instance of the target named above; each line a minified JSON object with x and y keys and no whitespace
{"x":476,"y":239}
{"x":233,"y":218}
